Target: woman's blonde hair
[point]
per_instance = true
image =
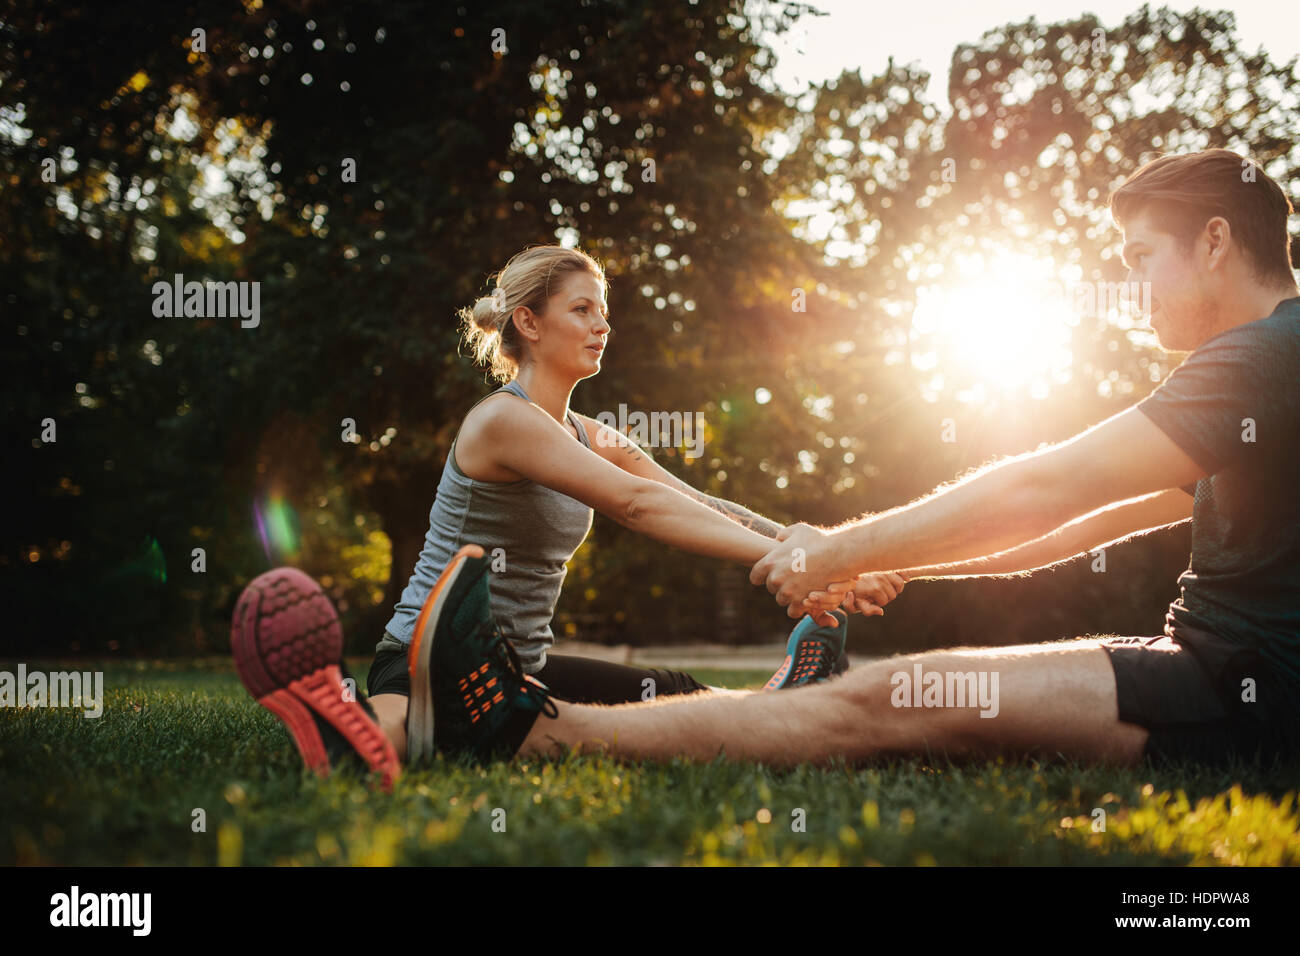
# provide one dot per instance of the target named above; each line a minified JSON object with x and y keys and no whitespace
{"x":528,"y":279}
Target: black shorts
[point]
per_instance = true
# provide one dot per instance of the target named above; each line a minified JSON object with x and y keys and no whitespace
{"x":388,"y":671}
{"x":1187,"y":690}
{"x":578,"y":680}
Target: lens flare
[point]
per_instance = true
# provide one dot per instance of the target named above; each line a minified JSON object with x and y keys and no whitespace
{"x":150,"y":563}
{"x":277,"y":527}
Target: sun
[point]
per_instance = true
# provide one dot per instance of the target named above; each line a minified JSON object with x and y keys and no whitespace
{"x":1003,"y":325}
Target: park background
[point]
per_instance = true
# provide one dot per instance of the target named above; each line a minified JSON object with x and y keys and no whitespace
{"x":865,"y":191}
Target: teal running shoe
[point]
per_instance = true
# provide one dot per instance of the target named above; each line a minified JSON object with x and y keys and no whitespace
{"x":814,"y":653}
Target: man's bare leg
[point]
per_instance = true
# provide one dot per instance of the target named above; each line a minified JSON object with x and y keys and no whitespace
{"x":1054,"y":698}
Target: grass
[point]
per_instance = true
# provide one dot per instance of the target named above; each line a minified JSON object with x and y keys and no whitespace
{"x":178,"y":738}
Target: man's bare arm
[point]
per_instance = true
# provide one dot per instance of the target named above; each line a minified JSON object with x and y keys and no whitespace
{"x":1110,"y":525}
{"x":1019,"y":500}
{"x":1101,"y":529}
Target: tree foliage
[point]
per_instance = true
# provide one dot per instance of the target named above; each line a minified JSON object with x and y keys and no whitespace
{"x":226,"y":157}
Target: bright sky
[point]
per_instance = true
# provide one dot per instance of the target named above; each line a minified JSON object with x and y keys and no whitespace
{"x":989,"y":328}
{"x":863,"y":34}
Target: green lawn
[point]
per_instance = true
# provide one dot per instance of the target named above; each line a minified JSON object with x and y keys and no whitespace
{"x":176,"y":737}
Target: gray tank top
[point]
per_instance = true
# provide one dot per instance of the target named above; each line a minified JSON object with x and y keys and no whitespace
{"x":537,"y":531}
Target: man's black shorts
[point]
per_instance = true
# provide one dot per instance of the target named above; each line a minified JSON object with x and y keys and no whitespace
{"x":1193,"y":691}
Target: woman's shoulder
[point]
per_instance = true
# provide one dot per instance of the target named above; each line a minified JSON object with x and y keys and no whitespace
{"x":485,"y":427}
{"x":499,"y":407}
{"x":495,"y":415}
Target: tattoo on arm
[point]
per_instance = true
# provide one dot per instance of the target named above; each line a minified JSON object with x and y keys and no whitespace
{"x":737,"y":513}
{"x":743,"y":516}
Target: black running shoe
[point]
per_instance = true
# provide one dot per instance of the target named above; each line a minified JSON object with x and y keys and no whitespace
{"x":483,"y":705}
{"x":419,"y":656}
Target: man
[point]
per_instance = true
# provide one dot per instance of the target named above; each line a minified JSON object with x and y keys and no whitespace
{"x":1214,"y":443}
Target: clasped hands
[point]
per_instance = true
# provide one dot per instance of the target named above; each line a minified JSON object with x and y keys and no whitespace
{"x":807,"y":575}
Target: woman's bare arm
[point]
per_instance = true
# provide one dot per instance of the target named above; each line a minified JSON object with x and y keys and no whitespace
{"x":526,"y":441}
{"x":617,"y":448}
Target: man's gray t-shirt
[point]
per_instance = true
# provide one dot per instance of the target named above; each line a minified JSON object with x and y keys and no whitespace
{"x":1234,"y":407}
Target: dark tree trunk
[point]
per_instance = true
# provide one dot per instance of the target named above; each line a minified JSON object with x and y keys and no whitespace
{"x":407,"y":537}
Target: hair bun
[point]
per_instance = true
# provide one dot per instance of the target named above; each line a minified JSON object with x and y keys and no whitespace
{"x":485,"y":313}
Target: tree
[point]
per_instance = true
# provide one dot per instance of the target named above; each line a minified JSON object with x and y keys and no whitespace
{"x":370,"y":164}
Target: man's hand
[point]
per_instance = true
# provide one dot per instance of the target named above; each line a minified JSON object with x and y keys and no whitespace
{"x":804,"y":560}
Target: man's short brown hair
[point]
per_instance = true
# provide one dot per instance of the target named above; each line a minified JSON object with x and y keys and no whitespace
{"x":1187,"y":191}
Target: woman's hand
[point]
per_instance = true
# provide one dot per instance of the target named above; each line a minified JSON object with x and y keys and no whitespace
{"x":867,"y":594}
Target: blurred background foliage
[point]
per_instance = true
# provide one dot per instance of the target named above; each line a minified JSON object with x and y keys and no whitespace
{"x":226,"y":163}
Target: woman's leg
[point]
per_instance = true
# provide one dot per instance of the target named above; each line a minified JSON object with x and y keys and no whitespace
{"x":390,"y":710}
{"x":582,"y":680}
{"x":575,"y":679}
{"x":389,"y":686}
{"x":578,"y":680}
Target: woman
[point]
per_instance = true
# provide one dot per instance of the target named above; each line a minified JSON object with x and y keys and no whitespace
{"x":522,"y":479}
{"x":525,"y":473}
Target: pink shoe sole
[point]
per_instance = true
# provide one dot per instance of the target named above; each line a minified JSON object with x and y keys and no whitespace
{"x":287,"y":644}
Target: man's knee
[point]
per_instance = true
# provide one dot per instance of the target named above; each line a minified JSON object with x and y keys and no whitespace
{"x":871,"y":711}
{"x":1055,"y":697}
{"x":956,"y":695}
{"x":861,"y":689}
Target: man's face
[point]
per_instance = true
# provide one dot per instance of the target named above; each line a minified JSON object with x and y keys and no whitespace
{"x":1183,"y":314}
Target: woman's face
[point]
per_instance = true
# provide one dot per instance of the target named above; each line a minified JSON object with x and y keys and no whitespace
{"x":575,"y":328}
